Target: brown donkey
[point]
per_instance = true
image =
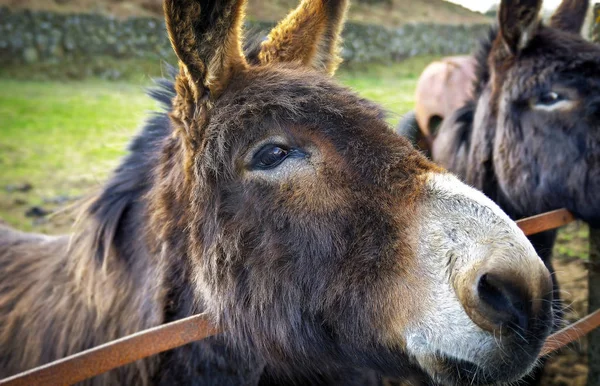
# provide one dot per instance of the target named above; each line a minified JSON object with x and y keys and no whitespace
{"x":282,"y":205}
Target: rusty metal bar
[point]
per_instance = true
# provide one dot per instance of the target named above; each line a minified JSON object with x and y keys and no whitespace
{"x":98,"y":360}
{"x":571,"y":333}
{"x":545,"y":221}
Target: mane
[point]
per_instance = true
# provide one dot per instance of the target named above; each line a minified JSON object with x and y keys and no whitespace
{"x":463,"y":116}
{"x":102,"y":215}
{"x":482,"y":69}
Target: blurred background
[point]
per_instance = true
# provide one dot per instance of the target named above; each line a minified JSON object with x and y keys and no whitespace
{"x":73,"y":75}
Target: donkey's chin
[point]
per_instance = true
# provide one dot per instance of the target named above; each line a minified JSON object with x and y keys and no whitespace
{"x":492,"y":369}
{"x":458,"y":371}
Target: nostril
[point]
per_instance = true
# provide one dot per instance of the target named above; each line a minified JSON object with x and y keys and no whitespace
{"x":506,"y":302}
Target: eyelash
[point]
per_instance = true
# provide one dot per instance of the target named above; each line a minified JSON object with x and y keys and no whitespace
{"x":550,"y":98}
{"x":260,"y":160}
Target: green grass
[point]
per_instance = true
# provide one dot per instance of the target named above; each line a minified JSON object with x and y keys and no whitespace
{"x":572,"y":241}
{"x":137,"y":71}
{"x":62,"y":138}
{"x":60,"y":133}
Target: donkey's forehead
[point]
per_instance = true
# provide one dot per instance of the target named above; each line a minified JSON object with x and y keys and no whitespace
{"x":552,"y":56}
{"x":555,"y":42}
{"x":262,"y":100}
{"x":282,"y":83}
{"x":556,"y":49}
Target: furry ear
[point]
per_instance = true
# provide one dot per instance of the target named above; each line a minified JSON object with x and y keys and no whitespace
{"x":570,"y":15}
{"x":310,"y":35}
{"x":206,"y":36}
{"x":518,"y":21}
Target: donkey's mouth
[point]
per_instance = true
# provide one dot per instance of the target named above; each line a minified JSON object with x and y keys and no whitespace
{"x":458,"y":371}
{"x":454,"y":371}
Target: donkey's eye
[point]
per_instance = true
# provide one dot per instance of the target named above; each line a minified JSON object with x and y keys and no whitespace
{"x":270,"y":156}
{"x":550,"y":98}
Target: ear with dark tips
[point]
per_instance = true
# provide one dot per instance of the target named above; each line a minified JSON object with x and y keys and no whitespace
{"x":206,"y":36}
{"x":310,"y":35}
{"x":570,"y":15}
{"x":518,"y":21}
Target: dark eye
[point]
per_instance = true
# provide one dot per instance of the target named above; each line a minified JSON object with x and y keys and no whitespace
{"x":270,"y":156}
{"x":549,"y":98}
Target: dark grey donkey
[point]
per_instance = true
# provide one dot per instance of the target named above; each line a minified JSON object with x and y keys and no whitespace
{"x":530,"y":138}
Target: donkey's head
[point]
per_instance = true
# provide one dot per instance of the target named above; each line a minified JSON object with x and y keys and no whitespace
{"x":318,"y":238}
{"x":541,"y":102}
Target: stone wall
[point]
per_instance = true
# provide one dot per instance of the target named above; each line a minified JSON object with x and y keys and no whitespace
{"x":29,"y":37}
{"x":365,"y":43}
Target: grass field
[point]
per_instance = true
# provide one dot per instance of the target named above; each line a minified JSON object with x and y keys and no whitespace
{"x":64,"y":137}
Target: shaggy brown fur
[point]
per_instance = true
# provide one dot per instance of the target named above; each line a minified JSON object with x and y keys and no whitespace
{"x":280,"y":204}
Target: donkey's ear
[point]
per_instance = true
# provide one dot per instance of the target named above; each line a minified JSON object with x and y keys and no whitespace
{"x":518,"y":21}
{"x":310,"y":35}
{"x":570,"y":15}
{"x":206,"y":36}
